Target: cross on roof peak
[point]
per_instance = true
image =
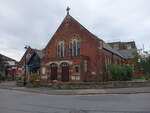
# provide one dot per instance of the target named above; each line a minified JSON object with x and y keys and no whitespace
{"x":68,"y":9}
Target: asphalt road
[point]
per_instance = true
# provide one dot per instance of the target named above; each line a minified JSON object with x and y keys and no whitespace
{"x":25,"y":102}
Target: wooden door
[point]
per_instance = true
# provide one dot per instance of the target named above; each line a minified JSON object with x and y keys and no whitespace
{"x":53,"y":71}
{"x":65,"y":72}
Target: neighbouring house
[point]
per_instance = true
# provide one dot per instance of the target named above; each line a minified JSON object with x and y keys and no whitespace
{"x":129,"y":51}
{"x":32,"y":60}
{"x":34,"y":63}
{"x":9,"y":67}
{"x":23,"y":61}
{"x":25,"y":56}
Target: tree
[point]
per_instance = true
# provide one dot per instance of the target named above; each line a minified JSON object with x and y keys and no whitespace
{"x":145,"y":63}
{"x":136,"y":59}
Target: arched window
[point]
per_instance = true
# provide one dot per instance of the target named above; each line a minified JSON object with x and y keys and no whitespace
{"x":53,"y":65}
{"x":64,"y":64}
{"x":75,"y":47}
{"x":61,"y":49}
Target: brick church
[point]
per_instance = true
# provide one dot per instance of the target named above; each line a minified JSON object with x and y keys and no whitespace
{"x":74,"y":54}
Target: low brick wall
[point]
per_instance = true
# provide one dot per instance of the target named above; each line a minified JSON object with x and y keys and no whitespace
{"x":19,"y":83}
{"x":97,"y":85}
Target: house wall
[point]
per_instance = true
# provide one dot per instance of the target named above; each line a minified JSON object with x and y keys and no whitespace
{"x":105,"y":58}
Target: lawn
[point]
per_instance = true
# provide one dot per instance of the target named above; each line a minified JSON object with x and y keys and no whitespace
{"x":141,"y":79}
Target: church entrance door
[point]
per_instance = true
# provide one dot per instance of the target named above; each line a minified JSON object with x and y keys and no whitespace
{"x":53,"y":71}
{"x":65,"y":72}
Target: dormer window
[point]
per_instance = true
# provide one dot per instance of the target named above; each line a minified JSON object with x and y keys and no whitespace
{"x":61,"y":49}
{"x":75,"y":47}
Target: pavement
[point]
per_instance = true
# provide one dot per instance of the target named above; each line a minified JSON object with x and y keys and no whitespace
{"x":11,"y":85}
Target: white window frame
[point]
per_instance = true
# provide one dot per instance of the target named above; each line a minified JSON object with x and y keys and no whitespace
{"x":75,"y":77}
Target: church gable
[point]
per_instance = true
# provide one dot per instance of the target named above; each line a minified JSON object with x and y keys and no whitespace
{"x":70,"y":30}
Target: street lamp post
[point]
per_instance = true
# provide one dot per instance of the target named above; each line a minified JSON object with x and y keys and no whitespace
{"x":25,"y":63}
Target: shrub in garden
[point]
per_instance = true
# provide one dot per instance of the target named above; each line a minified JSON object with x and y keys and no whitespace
{"x":33,"y":78}
{"x":120,"y":72}
{"x":129,"y":72}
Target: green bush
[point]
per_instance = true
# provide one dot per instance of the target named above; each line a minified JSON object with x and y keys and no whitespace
{"x":120,"y":72}
{"x":33,"y":78}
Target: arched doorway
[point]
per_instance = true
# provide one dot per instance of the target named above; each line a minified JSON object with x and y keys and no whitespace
{"x":65,"y":72}
{"x":53,"y":67}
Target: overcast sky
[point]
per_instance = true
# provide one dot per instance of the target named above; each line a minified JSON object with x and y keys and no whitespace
{"x":33,"y":22}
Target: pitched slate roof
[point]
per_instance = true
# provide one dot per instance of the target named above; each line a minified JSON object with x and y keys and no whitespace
{"x":107,"y":47}
{"x":5,"y":58}
{"x":39,"y":53}
{"x":127,"y":53}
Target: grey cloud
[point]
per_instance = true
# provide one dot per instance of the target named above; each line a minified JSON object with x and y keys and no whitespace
{"x":33,"y":22}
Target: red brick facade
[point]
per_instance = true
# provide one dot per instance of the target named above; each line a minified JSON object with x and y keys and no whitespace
{"x":90,"y":61}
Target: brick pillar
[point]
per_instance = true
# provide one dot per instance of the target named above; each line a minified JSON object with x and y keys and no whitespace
{"x":59,"y":73}
{"x":70,"y":72}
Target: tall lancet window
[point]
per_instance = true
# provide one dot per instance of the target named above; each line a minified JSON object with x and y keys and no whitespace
{"x":61,"y":49}
{"x":75,"y":47}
